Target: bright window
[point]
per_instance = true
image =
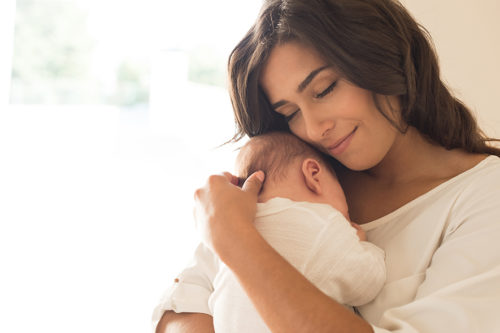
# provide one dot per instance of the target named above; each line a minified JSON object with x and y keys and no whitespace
{"x":115,"y":110}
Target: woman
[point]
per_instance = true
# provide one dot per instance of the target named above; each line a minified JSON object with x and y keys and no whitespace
{"x":359,"y":80}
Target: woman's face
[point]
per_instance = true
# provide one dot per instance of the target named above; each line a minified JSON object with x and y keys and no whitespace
{"x":326,"y":110}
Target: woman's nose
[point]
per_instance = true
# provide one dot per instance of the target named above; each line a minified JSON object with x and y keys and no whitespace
{"x":317,"y":123}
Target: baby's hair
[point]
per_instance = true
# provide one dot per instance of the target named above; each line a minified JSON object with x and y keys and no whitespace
{"x":273,"y":152}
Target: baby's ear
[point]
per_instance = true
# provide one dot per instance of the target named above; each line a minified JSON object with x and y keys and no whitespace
{"x":311,"y":170}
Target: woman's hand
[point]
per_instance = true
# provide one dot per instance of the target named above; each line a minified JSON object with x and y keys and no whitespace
{"x":223,"y":210}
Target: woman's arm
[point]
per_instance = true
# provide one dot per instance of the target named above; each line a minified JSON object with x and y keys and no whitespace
{"x":285,"y":299}
{"x":172,"y":322}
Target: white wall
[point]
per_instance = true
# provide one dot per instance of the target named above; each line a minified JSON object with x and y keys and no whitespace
{"x":467,"y":38}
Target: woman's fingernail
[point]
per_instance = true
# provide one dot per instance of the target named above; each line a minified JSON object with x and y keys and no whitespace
{"x":260,"y":175}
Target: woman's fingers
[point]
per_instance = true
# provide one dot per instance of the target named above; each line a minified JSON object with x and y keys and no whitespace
{"x":222,"y":209}
{"x":253,"y":184}
{"x":231,"y":178}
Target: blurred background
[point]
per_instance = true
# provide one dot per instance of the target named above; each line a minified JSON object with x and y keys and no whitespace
{"x":111,"y":115}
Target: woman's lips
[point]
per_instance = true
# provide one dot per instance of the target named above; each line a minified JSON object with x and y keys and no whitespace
{"x":341,"y":145}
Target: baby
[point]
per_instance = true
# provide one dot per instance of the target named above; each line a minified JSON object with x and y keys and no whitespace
{"x":302,"y":213}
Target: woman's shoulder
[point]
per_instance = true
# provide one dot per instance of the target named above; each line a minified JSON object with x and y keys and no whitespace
{"x":478,"y":182}
{"x":476,"y":190}
{"x":471,"y":198}
{"x":491,"y":162}
{"x":479,"y":187}
{"x":485,"y":173}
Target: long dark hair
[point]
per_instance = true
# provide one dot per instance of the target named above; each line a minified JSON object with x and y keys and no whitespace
{"x":376,"y":44}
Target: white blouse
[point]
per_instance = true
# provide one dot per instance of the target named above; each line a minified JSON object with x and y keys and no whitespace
{"x":442,"y":258}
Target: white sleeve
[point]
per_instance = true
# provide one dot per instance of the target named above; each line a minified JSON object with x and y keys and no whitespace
{"x":460,"y":292}
{"x":192,"y":287}
{"x":350,"y":271}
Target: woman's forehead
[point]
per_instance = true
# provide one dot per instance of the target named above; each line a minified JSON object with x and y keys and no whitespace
{"x":292,"y":54}
{"x":290,"y":62}
{"x":290,"y":68}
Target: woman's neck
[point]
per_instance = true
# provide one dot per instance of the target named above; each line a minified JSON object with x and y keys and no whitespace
{"x":413,"y":157}
{"x":412,"y":167}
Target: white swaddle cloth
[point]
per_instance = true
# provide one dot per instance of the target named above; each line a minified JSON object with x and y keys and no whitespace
{"x":317,"y":240}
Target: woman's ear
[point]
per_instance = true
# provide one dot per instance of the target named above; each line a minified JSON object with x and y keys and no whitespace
{"x":311,"y":169}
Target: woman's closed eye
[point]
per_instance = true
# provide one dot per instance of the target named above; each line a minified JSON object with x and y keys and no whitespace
{"x":326,"y":91}
{"x":289,"y":117}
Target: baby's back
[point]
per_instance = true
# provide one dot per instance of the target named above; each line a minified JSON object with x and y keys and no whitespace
{"x":293,"y":230}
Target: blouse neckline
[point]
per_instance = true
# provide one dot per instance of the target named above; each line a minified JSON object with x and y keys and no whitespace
{"x":386,"y":218}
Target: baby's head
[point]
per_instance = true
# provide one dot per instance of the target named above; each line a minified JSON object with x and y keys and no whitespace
{"x":293,"y":169}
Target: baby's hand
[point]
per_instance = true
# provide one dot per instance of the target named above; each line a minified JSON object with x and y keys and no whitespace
{"x":361,"y":233}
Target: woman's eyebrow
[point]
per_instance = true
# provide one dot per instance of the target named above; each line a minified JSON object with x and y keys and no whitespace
{"x":303,"y":85}
{"x":278,"y":104}
{"x":309,"y":78}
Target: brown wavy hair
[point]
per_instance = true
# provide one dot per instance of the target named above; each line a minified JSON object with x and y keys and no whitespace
{"x":375,"y":44}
